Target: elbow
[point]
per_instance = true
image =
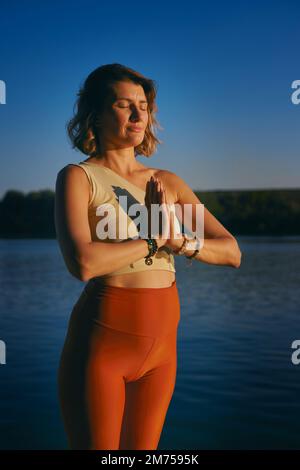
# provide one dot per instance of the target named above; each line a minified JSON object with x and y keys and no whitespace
{"x":238,"y":259}
{"x":237,"y":263}
{"x":79,"y":272}
{"x":83,"y":270}
{"x":84,"y":275}
{"x":78,"y":267}
{"x":237,"y":256}
{"x":77,"y":263}
{"x":83,"y":266}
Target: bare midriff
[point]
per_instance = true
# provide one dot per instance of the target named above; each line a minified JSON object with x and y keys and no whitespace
{"x":152,"y":279}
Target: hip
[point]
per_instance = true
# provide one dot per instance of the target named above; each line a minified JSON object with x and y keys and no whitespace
{"x":153,"y":312}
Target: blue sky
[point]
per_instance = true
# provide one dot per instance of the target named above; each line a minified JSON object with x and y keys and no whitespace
{"x":223,"y":69}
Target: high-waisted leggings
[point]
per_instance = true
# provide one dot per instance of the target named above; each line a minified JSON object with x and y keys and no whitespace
{"x":118,"y":366}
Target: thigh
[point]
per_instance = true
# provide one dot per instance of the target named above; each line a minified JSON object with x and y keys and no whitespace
{"x":92,"y":377}
{"x":149,"y":396}
{"x":114,"y":356}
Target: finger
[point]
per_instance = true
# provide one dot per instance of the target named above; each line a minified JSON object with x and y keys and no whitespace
{"x":166,"y":213}
{"x":162,"y":208}
{"x":166,"y":198}
{"x":151,"y":196}
{"x":157,"y":194}
{"x":151,"y":189}
{"x":160,"y":186}
{"x":171,"y":224}
{"x":158,"y":203}
{"x":148,"y":201}
{"x":163,"y":195}
{"x":166,"y":203}
{"x":155,"y":191}
{"x":147,"y":194}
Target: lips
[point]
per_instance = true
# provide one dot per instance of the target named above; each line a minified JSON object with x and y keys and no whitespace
{"x":135,"y":129}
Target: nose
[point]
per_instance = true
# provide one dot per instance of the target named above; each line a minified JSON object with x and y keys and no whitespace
{"x":136,"y":115}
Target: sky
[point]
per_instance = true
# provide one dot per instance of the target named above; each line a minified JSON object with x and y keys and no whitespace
{"x":223,"y":71}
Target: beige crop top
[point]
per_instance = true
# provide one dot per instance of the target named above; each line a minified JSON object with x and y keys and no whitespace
{"x":106,"y":188}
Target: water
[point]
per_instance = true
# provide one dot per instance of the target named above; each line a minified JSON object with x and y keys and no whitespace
{"x":236,"y":388}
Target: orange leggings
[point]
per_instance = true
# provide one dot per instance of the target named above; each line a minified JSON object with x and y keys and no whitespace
{"x":118,"y":366}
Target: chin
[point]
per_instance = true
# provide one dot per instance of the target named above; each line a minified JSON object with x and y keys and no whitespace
{"x":136,"y":140}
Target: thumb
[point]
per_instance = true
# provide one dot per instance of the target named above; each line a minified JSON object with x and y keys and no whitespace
{"x":171,"y":222}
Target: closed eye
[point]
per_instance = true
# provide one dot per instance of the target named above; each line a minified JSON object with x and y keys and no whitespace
{"x":142,"y":109}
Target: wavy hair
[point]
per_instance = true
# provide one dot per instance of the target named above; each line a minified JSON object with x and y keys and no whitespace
{"x":91,"y":102}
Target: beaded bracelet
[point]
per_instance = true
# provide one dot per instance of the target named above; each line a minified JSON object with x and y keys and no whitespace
{"x":152,"y":247}
{"x":182,"y":249}
{"x":194,"y":254}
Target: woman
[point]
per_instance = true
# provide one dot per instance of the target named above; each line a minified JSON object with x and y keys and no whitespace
{"x":118,"y":365}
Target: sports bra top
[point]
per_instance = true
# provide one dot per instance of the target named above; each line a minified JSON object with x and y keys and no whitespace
{"x":106,"y":187}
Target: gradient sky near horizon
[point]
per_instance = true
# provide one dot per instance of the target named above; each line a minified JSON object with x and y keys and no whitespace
{"x":223,"y":70}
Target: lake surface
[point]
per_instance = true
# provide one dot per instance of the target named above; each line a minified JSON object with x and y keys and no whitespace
{"x":236,"y":388}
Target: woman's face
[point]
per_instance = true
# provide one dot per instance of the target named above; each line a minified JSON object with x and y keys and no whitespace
{"x":124,"y":111}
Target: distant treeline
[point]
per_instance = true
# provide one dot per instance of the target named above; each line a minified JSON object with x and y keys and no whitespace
{"x":242,"y":212}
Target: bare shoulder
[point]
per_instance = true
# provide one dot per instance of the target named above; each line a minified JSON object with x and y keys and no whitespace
{"x":71,"y":180}
{"x":70,"y":168}
{"x":71,"y":172}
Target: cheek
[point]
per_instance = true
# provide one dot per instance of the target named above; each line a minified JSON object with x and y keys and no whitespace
{"x":146,"y":118}
{"x":120,"y":120}
{"x":114,"y":123}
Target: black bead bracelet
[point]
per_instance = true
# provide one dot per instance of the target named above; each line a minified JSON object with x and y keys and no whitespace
{"x":152,"y":247}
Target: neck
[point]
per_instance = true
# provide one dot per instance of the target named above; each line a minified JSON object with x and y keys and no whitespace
{"x":123,"y":161}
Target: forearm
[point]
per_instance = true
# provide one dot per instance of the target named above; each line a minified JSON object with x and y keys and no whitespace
{"x":220,"y":251}
{"x":101,"y":258}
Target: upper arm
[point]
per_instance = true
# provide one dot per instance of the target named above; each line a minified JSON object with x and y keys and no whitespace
{"x":185,"y":195}
{"x":71,"y":214}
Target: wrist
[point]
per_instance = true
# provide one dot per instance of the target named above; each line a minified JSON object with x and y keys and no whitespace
{"x":160,"y":242}
{"x":152,"y":250}
{"x":180,"y":244}
{"x":193,"y":251}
